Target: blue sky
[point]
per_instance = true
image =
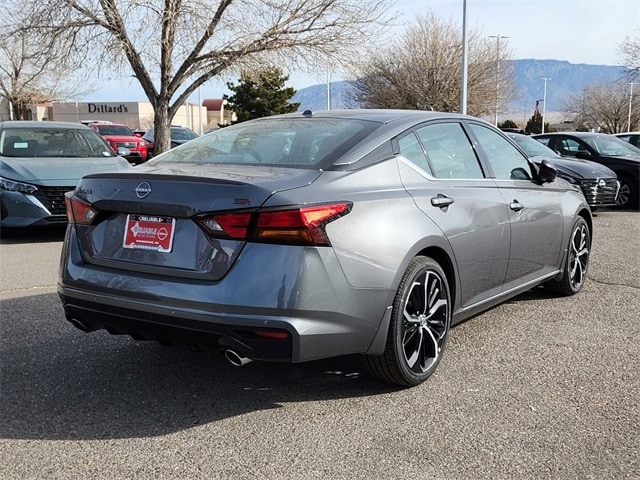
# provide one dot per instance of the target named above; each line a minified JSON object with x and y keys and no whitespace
{"x":579,"y":31}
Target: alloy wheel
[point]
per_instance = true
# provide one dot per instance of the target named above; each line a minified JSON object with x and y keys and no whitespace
{"x":425,"y":322}
{"x":579,"y":255}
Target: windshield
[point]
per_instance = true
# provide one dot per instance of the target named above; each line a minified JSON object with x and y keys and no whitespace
{"x":610,"y":145}
{"x":290,"y":142}
{"x":53,"y":142}
{"x":533,"y":148}
{"x":121,"y":130}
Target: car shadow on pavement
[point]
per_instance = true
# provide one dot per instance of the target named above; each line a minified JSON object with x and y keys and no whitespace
{"x":59,"y":383}
{"x":33,"y":235}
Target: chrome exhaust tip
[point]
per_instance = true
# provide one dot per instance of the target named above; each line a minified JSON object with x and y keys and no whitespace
{"x":78,"y":324}
{"x":235,"y":358}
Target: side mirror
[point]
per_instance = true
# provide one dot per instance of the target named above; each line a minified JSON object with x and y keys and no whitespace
{"x":123,"y":152}
{"x":583,"y":154}
{"x":547,"y":173}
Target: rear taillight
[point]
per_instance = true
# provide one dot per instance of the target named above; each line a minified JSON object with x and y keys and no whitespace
{"x":298,"y":226}
{"x":78,"y":211}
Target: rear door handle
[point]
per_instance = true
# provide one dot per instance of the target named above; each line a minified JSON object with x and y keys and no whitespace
{"x":441,"y":201}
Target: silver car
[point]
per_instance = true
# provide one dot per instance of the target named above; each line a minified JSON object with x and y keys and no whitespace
{"x":40,"y":162}
{"x":312,"y":235}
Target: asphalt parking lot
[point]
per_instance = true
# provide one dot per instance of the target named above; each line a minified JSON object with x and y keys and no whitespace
{"x":537,"y":388}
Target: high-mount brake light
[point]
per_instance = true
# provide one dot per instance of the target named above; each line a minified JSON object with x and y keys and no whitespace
{"x":78,"y":211}
{"x":293,"y":226}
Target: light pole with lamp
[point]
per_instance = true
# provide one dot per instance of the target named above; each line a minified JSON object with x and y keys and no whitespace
{"x":544,"y":101}
{"x":497,"y":37}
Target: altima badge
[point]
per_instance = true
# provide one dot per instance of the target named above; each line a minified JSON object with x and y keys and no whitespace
{"x":143,"y":190}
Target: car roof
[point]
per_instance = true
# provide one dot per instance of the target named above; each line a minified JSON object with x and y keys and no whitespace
{"x":573,"y":134}
{"x":375,"y":115}
{"x":33,"y":124}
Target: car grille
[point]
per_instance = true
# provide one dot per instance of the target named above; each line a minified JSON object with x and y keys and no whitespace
{"x":600,"y":191}
{"x":53,"y":198}
{"x":126,"y":144}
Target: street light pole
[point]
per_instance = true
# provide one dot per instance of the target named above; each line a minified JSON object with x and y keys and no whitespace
{"x":465,"y":46}
{"x":328,"y":89}
{"x":497,"y":37}
{"x":630,"y":102}
{"x":544,"y":101}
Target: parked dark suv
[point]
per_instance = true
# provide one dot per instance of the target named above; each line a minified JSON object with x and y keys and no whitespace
{"x":598,"y":183}
{"x":620,"y":156}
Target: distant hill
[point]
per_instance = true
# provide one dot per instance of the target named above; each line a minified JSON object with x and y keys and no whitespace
{"x":565,"y":78}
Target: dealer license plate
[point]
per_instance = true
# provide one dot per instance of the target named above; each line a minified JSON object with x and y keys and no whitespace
{"x":149,"y":232}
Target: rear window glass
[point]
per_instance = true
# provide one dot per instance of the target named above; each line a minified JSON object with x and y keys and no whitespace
{"x":52,"y":142}
{"x":286,"y":142}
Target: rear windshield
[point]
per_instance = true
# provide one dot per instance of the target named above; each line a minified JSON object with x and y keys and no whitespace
{"x":52,"y":142}
{"x":286,"y":142}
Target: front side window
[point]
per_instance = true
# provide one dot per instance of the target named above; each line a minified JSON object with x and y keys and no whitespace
{"x":505,"y":160}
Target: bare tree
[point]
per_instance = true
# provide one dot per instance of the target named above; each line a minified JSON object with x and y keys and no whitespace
{"x":605,"y":107}
{"x":423,"y":70}
{"x":629,"y":51}
{"x":33,"y":68}
{"x":174,"y":46}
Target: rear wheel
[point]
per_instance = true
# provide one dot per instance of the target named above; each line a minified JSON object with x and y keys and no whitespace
{"x":576,"y":264}
{"x":419,"y":326}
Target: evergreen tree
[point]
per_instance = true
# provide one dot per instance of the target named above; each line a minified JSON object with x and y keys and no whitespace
{"x":261,"y":94}
{"x":508,"y":124}
{"x":534,"y":125}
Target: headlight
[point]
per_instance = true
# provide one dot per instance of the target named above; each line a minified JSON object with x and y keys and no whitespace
{"x":13,"y":186}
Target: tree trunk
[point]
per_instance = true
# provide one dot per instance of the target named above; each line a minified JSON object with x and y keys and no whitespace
{"x":162,"y":128}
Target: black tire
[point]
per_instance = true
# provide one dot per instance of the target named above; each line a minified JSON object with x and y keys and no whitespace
{"x":419,"y":326}
{"x":628,"y":193}
{"x":576,"y":265}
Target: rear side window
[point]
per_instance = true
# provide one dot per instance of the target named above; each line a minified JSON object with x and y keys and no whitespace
{"x":449,"y":151}
{"x":411,"y":149}
{"x":286,"y":142}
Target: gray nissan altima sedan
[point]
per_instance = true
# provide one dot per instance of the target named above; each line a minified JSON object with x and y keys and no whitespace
{"x":312,"y":235}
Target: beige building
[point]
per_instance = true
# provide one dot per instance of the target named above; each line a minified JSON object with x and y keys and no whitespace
{"x":139,"y":115}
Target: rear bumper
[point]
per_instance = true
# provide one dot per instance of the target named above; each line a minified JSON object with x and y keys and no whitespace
{"x":312,"y":335}
{"x":309,"y":298}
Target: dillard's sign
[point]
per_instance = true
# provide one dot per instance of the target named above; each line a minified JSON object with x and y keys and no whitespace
{"x":103,"y":108}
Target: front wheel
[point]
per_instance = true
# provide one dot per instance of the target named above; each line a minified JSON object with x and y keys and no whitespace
{"x":419,"y":326}
{"x":628,"y":193}
{"x":576,"y":264}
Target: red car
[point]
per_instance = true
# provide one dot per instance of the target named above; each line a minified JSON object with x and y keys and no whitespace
{"x":122,"y":136}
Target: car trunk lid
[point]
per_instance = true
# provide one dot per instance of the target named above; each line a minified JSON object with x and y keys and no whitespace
{"x":147,"y":219}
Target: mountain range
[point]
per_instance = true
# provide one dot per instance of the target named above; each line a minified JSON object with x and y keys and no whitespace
{"x":563,"y":78}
